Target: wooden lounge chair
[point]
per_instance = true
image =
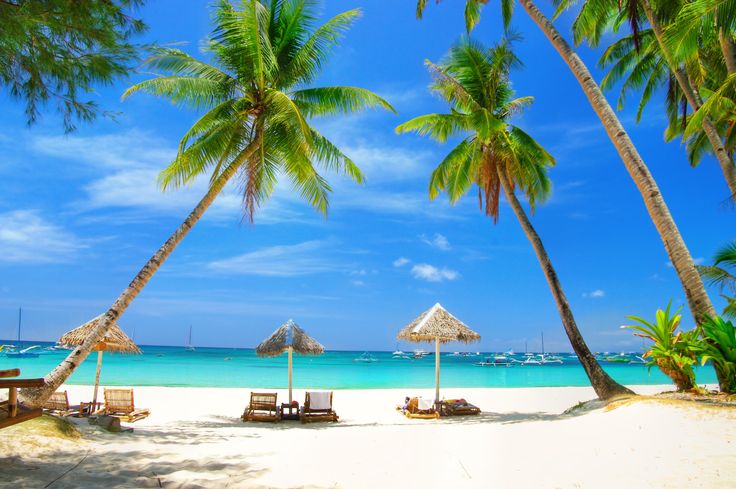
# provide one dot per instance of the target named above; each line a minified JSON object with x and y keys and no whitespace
{"x":458,"y":407}
{"x":412,"y":410}
{"x":317,"y":407}
{"x":11,"y":411}
{"x":262,"y":407}
{"x":58,"y":404}
{"x":119,"y":403}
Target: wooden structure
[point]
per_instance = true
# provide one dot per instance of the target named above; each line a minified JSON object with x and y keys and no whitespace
{"x":289,"y":338}
{"x":58,"y":404}
{"x":119,"y":403}
{"x":114,"y":341}
{"x":458,"y":407}
{"x":412,"y":411}
{"x":262,"y":407}
{"x":309,"y":413}
{"x":439,"y":326}
{"x":10,"y":412}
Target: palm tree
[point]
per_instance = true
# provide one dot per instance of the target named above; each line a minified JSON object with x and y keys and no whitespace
{"x":255,"y":126}
{"x":718,"y":274}
{"x":697,"y":297}
{"x":599,"y":16}
{"x":496,"y":155}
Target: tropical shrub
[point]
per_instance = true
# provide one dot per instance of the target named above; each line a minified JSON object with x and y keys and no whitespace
{"x":719,"y":346}
{"x":674,"y":352}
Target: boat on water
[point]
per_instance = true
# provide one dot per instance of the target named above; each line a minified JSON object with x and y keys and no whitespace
{"x":365,"y":358}
{"x":419,"y":354}
{"x":189,"y":346}
{"x":497,"y":361}
{"x":26,"y":352}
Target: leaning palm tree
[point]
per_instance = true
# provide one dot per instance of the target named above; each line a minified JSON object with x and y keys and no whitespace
{"x":597,"y":17}
{"x":255,"y":127}
{"x":697,"y":297}
{"x":497,"y":156}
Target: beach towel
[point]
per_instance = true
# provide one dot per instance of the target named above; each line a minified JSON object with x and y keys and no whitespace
{"x":319,"y":400}
{"x":424,"y":404}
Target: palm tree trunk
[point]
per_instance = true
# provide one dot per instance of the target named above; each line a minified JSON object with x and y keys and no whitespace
{"x":728,"y":49}
{"x":694,"y":100}
{"x":37,"y":396}
{"x":678,"y":253}
{"x":605,"y":387}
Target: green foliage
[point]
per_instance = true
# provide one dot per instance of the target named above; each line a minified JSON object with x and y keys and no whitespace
{"x":719,"y":347}
{"x":473,"y":80}
{"x":473,"y":10}
{"x":674,"y":352}
{"x":57,"y":51}
{"x":722,"y":274}
{"x":257,"y":95}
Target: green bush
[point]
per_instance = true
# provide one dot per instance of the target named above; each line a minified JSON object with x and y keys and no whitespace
{"x":719,"y":346}
{"x":673,"y":352}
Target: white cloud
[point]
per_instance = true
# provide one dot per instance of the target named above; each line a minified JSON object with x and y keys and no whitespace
{"x":400,"y":262}
{"x":437,"y":241}
{"x":595,"y":294}
{"x":430,"y":273}
{"x":26,"y":237}
{"x":306,"y":258}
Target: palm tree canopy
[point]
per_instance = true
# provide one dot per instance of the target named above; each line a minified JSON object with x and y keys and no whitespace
{"x":257,"y":94}
{"x":722,"y":274}
{"x":472,"y":11}
{"x":474,"y":82}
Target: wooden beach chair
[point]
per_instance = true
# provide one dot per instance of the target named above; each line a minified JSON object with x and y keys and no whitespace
{"x":417,"y":410}
{"x":58,"y":404}
{"x":458,"y":407}
{"x":262,"y":407}
{"x":317,"y":407}
{"x":119,"y":404}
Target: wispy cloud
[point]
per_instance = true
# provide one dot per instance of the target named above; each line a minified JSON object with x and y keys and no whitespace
{"x":26,"y":237}
{"x":437,"y":241}
{"x":594,"y":294}
{"x":306,"y":258}
{"x":430,"y":273}
{"x":400,"y":262}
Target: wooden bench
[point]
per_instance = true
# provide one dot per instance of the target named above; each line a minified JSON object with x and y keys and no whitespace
{"x":10,"y":412}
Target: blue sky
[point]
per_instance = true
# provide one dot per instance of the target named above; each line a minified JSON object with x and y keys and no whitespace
{"x":80,"y":213}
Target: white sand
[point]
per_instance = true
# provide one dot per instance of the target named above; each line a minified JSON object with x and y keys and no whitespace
{"x":194,"y":438}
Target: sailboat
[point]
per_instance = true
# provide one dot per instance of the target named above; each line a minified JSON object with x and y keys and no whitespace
{"x":25,"y":353}
{"x":544,"y":359}
{"x":189,"y":346}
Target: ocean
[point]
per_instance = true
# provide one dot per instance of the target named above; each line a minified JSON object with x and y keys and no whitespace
{"x":223,"y":367}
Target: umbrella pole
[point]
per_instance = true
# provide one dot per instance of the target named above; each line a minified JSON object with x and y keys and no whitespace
{"x":97,"y":379}
{"x":437,"y":371}
{"x":291,"y":350}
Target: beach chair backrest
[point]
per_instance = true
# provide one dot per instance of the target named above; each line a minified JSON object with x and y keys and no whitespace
{"x":413,"y":404}
{"x":119,"y":401}
{"x":308,"y":405}
{"x":59,"y":401}
{"x":263,"y":401}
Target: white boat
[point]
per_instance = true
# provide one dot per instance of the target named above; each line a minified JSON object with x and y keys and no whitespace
{"x":189,"y":346}
{"x":497,"y":361}
{"x":26,"y":352}
{"x":547,"y":359}
{"x":530,"y":359}
{"x":365,"y":358}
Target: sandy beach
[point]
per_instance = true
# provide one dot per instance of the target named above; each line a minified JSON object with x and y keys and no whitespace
{"x":194,"y":438}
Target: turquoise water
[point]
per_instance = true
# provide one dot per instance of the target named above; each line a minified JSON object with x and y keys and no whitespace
{"x":221,"y":367}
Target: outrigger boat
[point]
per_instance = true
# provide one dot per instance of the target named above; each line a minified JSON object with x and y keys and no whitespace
{"x":497,"y":361}
{"x":26,"y":352}
{"x":365,"y":358}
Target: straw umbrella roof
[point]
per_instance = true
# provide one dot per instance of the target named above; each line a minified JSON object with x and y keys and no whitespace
{"x":289,"y":335}
{"x":437,"y":323}
{"x":114,"y":340}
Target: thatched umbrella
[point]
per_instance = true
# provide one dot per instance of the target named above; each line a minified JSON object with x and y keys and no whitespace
{"x":115,"y":340}
{"x":438,"y":325}
{"x":289,"y":337}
